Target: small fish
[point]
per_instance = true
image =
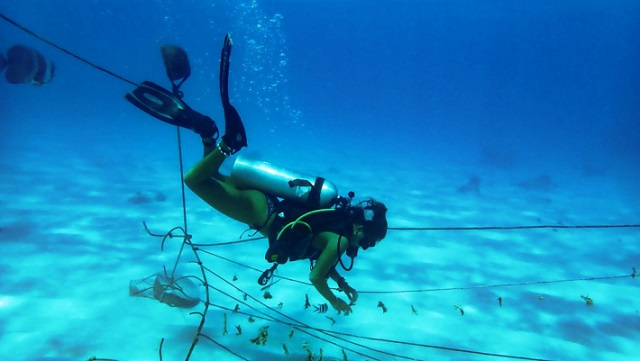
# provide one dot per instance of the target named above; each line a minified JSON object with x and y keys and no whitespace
{"x":540,"y":298}
{"x":309,"y":355}
{"x":251,"y":319}
{"x":321,"y":308}
{"x":344,"y":356}
{"x":267,"y":295}
{"x":588,"y":300}
{"x":307,"y":347}
{"x":244,"y":297}
{"x":224,"y":325}
{"x":459,"y":308}
{"x":235,"y":278}
{"x":286,"y":350}
{"x":333,"y":322}
{"x":381,"y":305}
{"x":414,"y":311}
{"x":237,"y":308}
{"x":239,"y":330}
{"x":633,"y":275}
{"x":500,"y":301}
{"x":291,"y":333}
{"x":280,"y":305}
{"x":306,"y":302}
{"x":262,"y":337}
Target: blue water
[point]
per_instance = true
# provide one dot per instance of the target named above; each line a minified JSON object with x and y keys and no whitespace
{"x":538,"y":99}
{"x":552,"y":83}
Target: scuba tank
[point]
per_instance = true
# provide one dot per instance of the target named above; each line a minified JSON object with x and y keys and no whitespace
{"x":305,"y":190}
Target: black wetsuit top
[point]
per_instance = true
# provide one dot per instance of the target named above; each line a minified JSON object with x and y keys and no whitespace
{"x":295,"y":242}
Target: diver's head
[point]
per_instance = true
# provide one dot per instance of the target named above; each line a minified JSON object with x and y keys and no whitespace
{"x":371,"y":218}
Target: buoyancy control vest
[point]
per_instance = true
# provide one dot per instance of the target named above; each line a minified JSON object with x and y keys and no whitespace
{"x":310,"y":205}
{"x":295,"y":226}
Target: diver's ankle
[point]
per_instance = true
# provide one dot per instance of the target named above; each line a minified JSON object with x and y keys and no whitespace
{"x":208,"y":145}
{"x":208,"y":142}
{"x":235,"y":140}
{"x":224,"y":149}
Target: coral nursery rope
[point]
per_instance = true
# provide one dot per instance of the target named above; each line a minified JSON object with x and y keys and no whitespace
{"x":509,"y":228}
{"x":632,"y":275}
{"x":461,"y":229}
{"x":461,"y":288}
{"x":301,"y":326}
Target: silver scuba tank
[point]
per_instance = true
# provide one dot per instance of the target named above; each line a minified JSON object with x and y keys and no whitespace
{"x":315,"y":192}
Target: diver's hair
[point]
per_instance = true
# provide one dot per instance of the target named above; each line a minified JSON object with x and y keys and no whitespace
{"x":375,"y":226}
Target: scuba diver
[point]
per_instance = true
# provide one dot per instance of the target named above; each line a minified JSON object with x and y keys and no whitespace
{"x":25,"y":65}
{"x":302,"y":216}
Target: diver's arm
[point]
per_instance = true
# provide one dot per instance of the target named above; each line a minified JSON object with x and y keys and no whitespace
{"x":335,"y":276}
{"x":327,"y":259}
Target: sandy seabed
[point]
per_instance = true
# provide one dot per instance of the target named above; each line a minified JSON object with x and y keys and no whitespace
{"x":72,"y":239}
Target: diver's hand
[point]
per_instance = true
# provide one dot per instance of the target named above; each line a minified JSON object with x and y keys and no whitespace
{"x":341,"y":306}
{"x":351,"y":293}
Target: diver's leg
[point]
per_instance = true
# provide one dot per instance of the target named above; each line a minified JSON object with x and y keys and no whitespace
{"x":209,"y":145}
{"x":205,"y":180}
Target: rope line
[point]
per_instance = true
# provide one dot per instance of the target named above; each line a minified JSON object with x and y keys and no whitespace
{"x":632,"y":275}
{"x":461,"y":288}
{"x":405,"y":343}
{"x":444,"y":348}
{"x":223,"y":347}
{"x":255,"y":269}
{"x":298,"y":324}
{"x":509,"y":228}
{"x":470,"y":228}
{"x":325,"y":331}
{"x":228,"y":243}
{"x":32,"y":33}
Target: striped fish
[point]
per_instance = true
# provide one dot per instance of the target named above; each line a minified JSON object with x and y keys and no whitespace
{"x":321,"y":308}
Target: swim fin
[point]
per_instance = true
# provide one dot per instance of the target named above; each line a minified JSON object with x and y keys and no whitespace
{"x":162,"y":104}
{"x":235,"y":137}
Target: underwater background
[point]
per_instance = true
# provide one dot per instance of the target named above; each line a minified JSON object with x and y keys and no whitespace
{"x":455,"y":114}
